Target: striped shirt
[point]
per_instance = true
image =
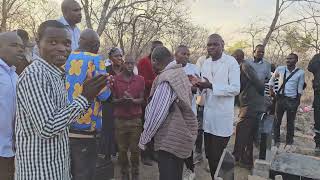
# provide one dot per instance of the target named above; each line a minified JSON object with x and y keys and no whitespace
{"x":157,"y":111}
{"x":275,"y":87}
{"x":43,"y":117}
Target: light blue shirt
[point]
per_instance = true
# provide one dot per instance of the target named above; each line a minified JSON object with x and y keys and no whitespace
{"x":75,"y":33}
{"x":8,"y":82}
{"x":295,"y":83}
{"x":192,"y":69}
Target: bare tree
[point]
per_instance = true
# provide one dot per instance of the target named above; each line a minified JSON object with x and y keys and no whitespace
{"x":280,"y":7}
{"x":311,"y":28}
{"x":98,"y":13}
{"x":29,"y":21}
{"x":9,"y":8}
{"x":253,"y":31}
{"x":133,"y":29}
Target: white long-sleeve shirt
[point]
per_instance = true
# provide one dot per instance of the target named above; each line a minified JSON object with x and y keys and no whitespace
{"x":224,"y":75}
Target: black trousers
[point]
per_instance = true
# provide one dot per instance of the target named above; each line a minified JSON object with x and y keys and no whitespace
{"x":170,"y":166}
{"x":83,"y":158}
{"x":245,"y":133}
{"x":199,"y":140}
{"x":6,"y":168}
{"x":149,"y":151}
{"x":108,"y":142}
{"x":189,"y":163}
{"x":316,"y":106}
{"x":214,"y":146}
{"x":290,"y":106}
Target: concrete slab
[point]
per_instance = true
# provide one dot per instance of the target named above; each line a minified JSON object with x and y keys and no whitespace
{"x":291,"y":165}
{"x":253,"y":177}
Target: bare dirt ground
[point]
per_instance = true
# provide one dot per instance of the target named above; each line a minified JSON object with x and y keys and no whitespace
{"x":303,"y":144}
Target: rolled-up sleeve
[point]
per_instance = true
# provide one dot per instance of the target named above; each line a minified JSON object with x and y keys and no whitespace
{"x":301,"y":83}
{"x":273,"y":77}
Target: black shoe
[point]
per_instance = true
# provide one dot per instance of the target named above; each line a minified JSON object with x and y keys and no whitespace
{"x":125,"y":176}
{"x":317,"y":149}
{"x":245,"y":165}
{"x":154,"y":157}
{"x":289,"y":142}
{"x":147,"y":161}
{"x":135,"y":176}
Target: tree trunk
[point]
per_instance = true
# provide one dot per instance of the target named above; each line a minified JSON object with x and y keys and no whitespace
{"x":86,"y":7}
{"x":4,"y":14}
{"x":273,"y":24}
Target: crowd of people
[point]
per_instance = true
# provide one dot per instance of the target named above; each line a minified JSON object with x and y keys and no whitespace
{"x":62,"y":103}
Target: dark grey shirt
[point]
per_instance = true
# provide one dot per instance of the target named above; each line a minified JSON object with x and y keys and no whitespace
{"x":263,"y":69}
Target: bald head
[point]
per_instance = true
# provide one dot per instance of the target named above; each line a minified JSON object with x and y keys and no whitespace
{"x":89,"y":41}
{"x":8,"y":37}
{"x":238,"y":54}
{"x":71,"y":11}
{"x":11,"y":48}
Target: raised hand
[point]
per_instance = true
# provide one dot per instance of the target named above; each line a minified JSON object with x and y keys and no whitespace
{"x":93,"y":86}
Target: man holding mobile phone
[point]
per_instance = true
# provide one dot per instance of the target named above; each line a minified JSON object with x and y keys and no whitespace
{"x":128,"y":97}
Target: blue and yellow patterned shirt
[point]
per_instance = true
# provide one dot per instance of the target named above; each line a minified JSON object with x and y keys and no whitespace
{"x":79,"y":66}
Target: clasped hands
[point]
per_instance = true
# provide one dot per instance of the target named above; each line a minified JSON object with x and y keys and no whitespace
{"x":196,"y":81}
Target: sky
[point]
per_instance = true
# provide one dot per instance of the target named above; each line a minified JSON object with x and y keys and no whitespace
{"x":230,"y":16}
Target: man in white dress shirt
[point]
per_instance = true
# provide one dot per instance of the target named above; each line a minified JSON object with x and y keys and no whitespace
{"x":221,"y":81}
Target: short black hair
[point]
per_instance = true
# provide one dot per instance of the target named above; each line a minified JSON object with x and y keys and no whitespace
{"x":181,"y":46}
{"x":273,"y":67}
{"x":295,"y":55}
{"x":161,"y":53}
{"x":113,"y":50}
{"x":316,"y":57}
{"x":259,"y":45}
{"x":156,"y":42}
{"x":22,"y":34}
{"x":47,"y":24}
{"x":215,"y":35}
{"x":239,"y":51}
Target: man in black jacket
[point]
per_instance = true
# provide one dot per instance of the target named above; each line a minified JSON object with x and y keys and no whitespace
{"x":251,"y":89}
{"x":313,"y":67}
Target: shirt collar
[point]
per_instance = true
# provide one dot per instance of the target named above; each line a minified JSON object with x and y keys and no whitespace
{"x":64,"y":21}
{"x":107,"y":62}
{"x":171,"y":64}
{"x":6,"y":67}
{"x":220,"y":59}
{"x":52,"y":68}
{"x":259,"y":62}
{"x":292,"y":70}
{"x":175,"y":61}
